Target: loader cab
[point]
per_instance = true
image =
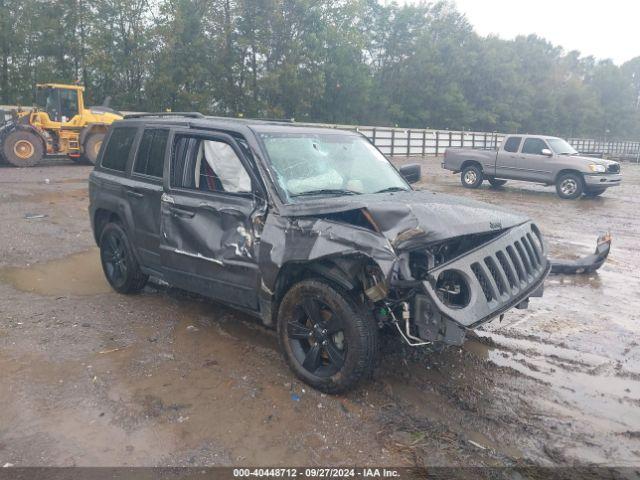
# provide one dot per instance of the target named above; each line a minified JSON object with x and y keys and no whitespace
{"x":60,"y":102}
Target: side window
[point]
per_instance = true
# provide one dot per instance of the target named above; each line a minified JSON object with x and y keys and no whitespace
{"x":534,"y":146}
{"x":117,"y":151}
{"x":512,"y":144}
{"x":209,"y":166}
{"x":68,"y":104}
{"x":150,"y":157}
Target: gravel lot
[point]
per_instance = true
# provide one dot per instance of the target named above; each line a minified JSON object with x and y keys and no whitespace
{"x":90,"y":377}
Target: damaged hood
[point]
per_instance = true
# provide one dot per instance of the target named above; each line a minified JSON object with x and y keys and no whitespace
{"x":414,"y":218}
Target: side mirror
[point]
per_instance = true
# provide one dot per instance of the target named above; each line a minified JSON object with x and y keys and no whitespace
{"x":412,"y":173}
{"x":546,"y":152}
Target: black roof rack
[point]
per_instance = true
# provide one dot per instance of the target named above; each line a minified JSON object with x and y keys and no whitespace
{"x":165,"y":114}
{"x":277,"y":120}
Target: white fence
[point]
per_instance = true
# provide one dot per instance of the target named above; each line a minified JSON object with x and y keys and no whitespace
{"x":421,"y":142}
{"x":427,"y":142}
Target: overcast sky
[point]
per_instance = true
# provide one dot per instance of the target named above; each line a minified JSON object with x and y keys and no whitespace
{"x":602,"y":28}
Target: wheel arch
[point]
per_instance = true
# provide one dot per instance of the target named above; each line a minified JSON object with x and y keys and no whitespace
{"x":101,"y":218}
{"x":468,"y":163}
{"x":342,"y":271}
{"x":27,"y":128}
{"x":568,"y":170}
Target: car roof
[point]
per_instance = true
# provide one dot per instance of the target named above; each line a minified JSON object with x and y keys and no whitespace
{"x":543,"y":137}
{"x":229,"y":123}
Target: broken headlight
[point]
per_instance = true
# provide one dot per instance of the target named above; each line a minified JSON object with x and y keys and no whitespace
{"x":453,"y":289}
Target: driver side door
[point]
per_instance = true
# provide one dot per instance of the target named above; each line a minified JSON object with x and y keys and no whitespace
{"x":534,"y":165}
{"x":207,"y":241}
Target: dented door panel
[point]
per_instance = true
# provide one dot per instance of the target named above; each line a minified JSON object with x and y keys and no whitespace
{"x":207,"y":244}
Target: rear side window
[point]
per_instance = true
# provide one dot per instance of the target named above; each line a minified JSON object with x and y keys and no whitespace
{"x":117,"y":152}
{"x":150,"y":157}
{"x":512,"y":144}
{"x":534,"y":146}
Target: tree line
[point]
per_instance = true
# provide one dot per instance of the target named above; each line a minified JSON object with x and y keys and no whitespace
{"x":338,"y":61}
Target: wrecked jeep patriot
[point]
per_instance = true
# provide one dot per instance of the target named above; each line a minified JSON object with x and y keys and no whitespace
{"x":312,"y":230}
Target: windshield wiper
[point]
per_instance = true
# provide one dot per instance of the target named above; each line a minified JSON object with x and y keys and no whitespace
{"x":326,"y":191}
{"x":392,"y":189}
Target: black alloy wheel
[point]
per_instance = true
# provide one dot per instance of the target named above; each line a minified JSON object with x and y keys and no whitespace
{"x":118,"y":262}
{"x":316,"y":337}
{"x":328,"y":340}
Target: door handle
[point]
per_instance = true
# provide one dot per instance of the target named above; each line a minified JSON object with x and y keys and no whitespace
{"x":179,"y":212}
{"x":134,"y":194}
{"x":224,"y":210}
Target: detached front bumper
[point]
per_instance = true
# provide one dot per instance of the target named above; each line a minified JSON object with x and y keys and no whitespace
{"x":482,"y":284}
{"x":602,"y":180}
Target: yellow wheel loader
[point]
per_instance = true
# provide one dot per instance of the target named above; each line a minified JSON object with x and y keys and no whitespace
{"x":59,"y":124}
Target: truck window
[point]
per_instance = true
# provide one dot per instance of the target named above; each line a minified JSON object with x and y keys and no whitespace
{"x":68,"y":104}
{"x":209,"y":166}
{"x":150,"y":157}
{"x":534,"y":146}
{"x":117,"y":152}
{"x":512,"y":144}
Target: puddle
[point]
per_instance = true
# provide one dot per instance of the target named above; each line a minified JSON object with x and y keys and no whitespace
{"x":77,"y":274}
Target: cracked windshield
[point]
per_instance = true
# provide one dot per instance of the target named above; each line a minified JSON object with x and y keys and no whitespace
{"x":329,"y":164}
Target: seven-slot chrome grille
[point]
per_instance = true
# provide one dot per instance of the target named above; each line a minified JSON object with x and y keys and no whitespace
{"x":499,"y":275}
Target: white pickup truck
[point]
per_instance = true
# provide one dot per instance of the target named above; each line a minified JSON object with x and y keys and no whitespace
{"x":534,"y":158}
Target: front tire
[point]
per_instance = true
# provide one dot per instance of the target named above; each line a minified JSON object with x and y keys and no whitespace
{"x":471,"y":176}
{"x":23,"y":148}
{"x":118,"y":262}
{"x":328,"y":341}
{"x":92,"y":146}
{"x":569,"y":186}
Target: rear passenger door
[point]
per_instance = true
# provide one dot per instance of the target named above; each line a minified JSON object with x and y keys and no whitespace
{"x":144,"y":193}
{"x":207,"y":239}
{"x":508,"y":158}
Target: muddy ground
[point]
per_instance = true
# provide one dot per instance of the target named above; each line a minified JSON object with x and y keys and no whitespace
{"x":90,"y":377}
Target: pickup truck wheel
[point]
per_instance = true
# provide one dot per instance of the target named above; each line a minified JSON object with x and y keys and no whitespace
{"x":118,"y":262}
{"x":496,"y":183}
{"x":327,"y":339}
{"x":595,"y":192}
{"x":569,"y":186}
{"x":471,"y":176}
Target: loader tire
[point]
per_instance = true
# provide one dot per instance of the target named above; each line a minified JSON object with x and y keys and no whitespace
{"x":22,"y":148}
{"x":92,"y":146}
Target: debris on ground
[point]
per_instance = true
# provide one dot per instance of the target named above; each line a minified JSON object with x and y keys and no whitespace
{"x":587,"y":264}
{"x":33,"y":216}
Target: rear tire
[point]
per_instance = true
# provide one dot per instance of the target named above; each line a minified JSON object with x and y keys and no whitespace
{"x":496,"y":183}
{"x":23,"y":148}
{"x":471,"y":176}
{"x":118,"y":262}
{"x":594,"y":193}
{"x":92,"y":146}
{"x":328,"y":341}
{"x":569,"y":186}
